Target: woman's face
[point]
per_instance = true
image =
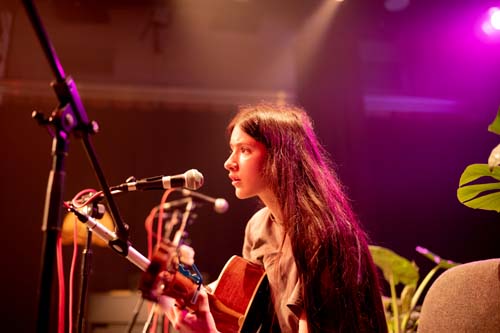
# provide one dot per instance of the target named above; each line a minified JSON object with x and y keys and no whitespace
{"x":245,"y":165}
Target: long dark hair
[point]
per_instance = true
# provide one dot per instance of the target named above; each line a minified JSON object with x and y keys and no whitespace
{"x":340,"y":284}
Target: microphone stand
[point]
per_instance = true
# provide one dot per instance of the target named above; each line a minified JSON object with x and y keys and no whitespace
{"x":84,"y":282}
{"x":93,"y":225}
{"x":68,"y":117}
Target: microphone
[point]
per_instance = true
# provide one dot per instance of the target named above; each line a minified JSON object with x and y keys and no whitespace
{"x":220,"y":204}
{"x":191,"y":179}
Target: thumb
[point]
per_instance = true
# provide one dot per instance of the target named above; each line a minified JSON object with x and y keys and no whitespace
{"x":203,"y":305}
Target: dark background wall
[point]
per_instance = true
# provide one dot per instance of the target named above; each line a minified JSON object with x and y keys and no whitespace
{"x":401,"y":100}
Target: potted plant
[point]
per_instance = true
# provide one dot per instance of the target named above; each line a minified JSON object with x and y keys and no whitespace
{"x":402,"y":310}
{"x":479,"y":185}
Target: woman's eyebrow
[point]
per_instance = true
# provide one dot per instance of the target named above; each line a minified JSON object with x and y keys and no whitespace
{"x":241,"y":143}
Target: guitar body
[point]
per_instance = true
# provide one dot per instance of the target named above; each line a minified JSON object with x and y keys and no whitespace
{"x":242,"y":290}
{"x":240,"y":300}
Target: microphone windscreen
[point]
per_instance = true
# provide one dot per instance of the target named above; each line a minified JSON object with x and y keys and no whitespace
{"x":194,"y":179}
{"x":221,"y":206}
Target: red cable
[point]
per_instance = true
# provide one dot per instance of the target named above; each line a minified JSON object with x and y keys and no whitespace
{"x":60,"y":275}
{"x":159,"y":227}
{"x":75,"y":200}
{"x":72,"y":276}
{"x":148,"y":224}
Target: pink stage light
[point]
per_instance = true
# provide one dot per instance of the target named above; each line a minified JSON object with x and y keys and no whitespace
{"x":491,"y":25}
{"x":495,"y":18}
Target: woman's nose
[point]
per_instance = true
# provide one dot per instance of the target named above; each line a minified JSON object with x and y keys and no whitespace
{"x":229,"y":164}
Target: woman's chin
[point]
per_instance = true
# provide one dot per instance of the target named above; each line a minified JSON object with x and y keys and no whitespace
{"x":242,"y":194}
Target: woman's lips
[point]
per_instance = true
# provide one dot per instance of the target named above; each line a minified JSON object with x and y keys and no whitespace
{"x":234,"y":180}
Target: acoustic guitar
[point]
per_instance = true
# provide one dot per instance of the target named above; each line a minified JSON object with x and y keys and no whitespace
{"x":239,"y":302}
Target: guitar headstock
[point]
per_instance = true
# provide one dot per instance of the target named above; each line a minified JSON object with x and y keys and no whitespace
{"x":167,"y":276}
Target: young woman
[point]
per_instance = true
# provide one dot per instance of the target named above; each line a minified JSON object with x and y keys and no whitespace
{"x":320,"y":272}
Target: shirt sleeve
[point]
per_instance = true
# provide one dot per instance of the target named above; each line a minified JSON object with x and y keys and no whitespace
{"x":254,"y":246}
{"x":247,"y":243}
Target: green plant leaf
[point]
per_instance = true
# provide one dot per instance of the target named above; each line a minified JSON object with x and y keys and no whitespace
{"x":495,"y":125}
{"x":468,"y":192}
{"x":475,"y":171}
{"x":402,"y":270}
{"x":480,"y":196}
{"x":485,"y":202}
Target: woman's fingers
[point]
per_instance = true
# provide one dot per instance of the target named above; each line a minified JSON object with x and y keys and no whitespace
{"x":200,"y":321}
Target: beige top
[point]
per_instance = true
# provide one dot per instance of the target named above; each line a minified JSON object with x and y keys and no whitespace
{"x":264,"y":244}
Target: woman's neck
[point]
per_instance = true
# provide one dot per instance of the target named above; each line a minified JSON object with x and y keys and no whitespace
{"x":271,"y":202}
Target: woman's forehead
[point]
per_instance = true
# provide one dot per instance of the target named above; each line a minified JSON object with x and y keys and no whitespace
{"x":239,"y":136}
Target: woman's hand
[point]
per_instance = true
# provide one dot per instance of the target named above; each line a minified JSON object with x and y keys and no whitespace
{"x":200,"y":321}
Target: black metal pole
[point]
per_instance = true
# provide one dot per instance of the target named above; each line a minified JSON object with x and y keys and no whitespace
{"x":51,"y":230}
{"x":45,"y":43}
{"x":84,"y":282}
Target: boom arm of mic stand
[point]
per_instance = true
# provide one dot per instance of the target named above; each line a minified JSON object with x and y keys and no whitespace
{"x":109,"y":236}
{"x":74,"y":118}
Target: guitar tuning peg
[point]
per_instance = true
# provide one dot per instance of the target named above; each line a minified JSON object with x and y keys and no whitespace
{"x":186,"y":254}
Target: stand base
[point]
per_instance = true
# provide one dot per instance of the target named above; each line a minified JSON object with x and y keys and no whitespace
{"x":111,"y":312}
